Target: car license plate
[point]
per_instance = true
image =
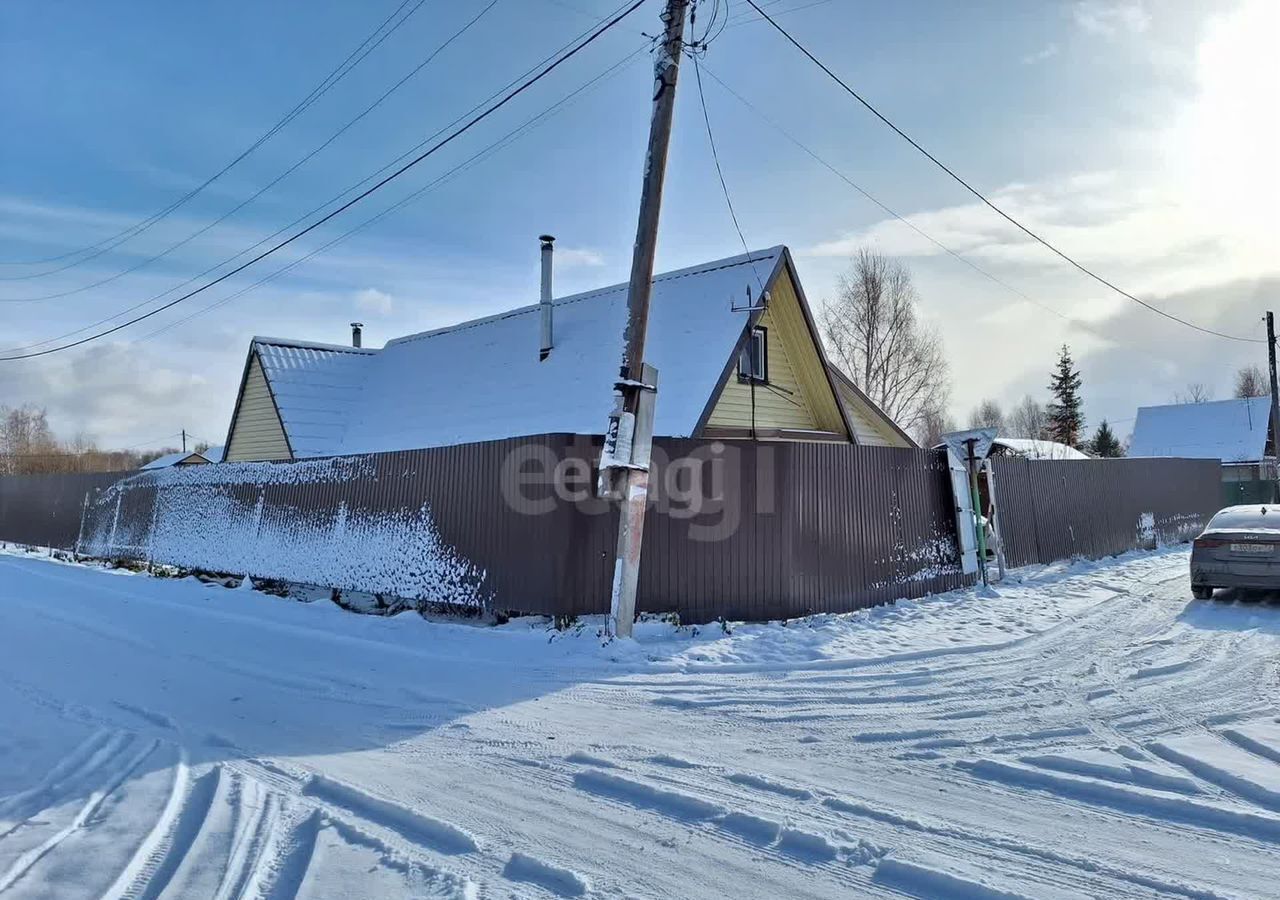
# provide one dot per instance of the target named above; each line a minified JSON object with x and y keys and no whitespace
{"x":1251,"y":548}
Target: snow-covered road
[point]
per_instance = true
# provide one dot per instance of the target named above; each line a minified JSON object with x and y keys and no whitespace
{"x":1091,"y":731}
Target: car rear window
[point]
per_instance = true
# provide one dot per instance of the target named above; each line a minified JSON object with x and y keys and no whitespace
{"x":1235,"y":517}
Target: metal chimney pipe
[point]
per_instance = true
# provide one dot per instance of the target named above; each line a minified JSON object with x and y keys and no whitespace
{"x":544,"y":301}
{"x":355,"y":333}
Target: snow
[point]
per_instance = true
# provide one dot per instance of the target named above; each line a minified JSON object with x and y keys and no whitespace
{"x":1233,"y":431}
{"x":205,"y":517}
{"x":410,"y":394}
{"x":1251,"y":518}
{"x":211,"y":454}
{"x":1037,"y":449}
{"x":169,"y":738}
{"x":316,"y":388}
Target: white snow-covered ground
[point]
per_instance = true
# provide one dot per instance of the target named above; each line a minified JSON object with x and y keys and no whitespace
{"x":1089,"y":731}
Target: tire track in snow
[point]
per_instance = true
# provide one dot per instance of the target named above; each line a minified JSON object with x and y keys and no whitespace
{"x":1164,"y":807}
{"x":73,"y":780}
{"x":154,"y":863}
{"x":257,"y":815}
{"x":556,"y":879}
{"x":427,"y":831}
{"x":1037,"y":861}
{"x":31,"y":799}
{"x":115,"y":777}
{"x":789,"y":821}
{"x":763,"y":826}
{"x":837,"y":856}
{"x":283,"y":863}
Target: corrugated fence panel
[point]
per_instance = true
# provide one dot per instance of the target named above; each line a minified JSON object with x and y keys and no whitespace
{"x":1059,"y":509}
{"x":739,"y":530}
{"x":45,"y":510}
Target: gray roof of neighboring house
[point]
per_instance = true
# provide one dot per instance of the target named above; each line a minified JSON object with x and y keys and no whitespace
{"x":212,"y":454}
{"x":1029,"y":448}
{"x":337,"y":400}
{"x":1234,"y":431}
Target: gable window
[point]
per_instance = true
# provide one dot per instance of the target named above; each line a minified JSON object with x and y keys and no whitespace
{"x":753,"y":364}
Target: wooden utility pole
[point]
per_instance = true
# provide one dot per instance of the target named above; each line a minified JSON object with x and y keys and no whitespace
{"x":626,"y":451}
{"x":184,"y":440}
{"x":1275,"y":406}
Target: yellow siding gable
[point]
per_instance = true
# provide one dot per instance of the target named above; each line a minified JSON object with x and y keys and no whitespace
{"x":869,"y":427}
{"x":798,"y":395}
{"x":256,"y":430}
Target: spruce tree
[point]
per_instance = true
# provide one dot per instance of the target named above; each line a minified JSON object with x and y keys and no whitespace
{"x":1065,"y":416}
{"x":1105,"y":444}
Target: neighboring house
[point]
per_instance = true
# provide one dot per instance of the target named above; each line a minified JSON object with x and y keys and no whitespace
{"x":723,"y":372}
{"x":1028,"y":448}
{"x":1237,"y":432}
{"x":183,"y":458}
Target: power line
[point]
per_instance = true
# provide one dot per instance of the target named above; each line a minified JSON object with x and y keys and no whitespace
{"x":334,"y":199}
{"x":971,"y":189}
{"x":502,"y":142}
{"x":262,"y":190}
{"x":995,"y":279}
{"x":697,"y":72}
{"x":336,"y":75}
{"x":746,"y":18}
{"x":528,"y":83}
{"x":894,"y":213}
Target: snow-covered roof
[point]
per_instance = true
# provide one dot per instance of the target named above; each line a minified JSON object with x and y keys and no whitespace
{"x":482,"y":380}
{"x":213,"y":454}
{"x":169,"y":459}
{"x":1035,"y":449}
{"x":316,"y":388}
{"x":1229,"y":430}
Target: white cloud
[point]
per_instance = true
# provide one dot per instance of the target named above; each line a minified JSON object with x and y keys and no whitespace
{"x":1110,"y":18}
{"x":120,"y":395}
{"x":1046,"y":52}
{"x":372,"y":300}
{"x":578,"y":257}
{"x":1225,"y":147}
{"x":1189,"y":227}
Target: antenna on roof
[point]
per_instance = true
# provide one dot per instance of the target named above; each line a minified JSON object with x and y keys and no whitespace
{"x":750,"y":307}
{"x":355,"y":333}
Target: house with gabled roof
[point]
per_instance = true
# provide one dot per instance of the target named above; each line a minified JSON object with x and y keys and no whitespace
{"x":183,"y":458}
{"x":728,"y":367}
{"x":1236,"y":431}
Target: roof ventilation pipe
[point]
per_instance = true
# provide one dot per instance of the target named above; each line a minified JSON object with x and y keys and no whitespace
{"x":355,"y":333}
{"x":544,"y":300}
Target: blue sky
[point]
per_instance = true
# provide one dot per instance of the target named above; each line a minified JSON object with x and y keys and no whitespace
{"x":1126,"y":131}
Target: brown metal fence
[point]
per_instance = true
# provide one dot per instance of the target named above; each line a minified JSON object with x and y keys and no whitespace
{"x":45,"y":510}
{"x":1058,"y":509}
{"x":740,"y":530}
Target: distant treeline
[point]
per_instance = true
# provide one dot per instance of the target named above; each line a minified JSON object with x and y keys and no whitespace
{"x":28,"y":446}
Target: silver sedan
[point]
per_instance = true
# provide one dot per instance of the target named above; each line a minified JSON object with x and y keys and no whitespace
{"x":1239,"y":548}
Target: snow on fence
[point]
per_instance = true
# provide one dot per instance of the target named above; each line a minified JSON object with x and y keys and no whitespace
{"x":736,"y":530}
{"x":262,"y":519}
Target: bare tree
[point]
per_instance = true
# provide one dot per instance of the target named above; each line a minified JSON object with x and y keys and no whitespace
{"x":933,"y":424}
{"x":987,"y":414}
{"x":29,"y":446}
{"x":873,"y":333}
{"x":1250,"y":382}
{"x":1028,"y":419}
{"x":1196,"y":392}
